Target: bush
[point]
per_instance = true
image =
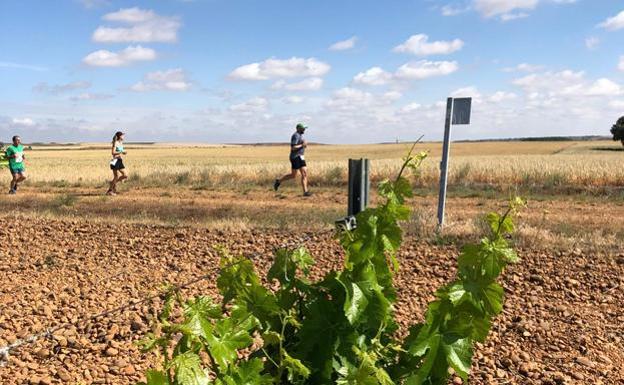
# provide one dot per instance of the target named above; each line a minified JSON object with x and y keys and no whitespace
{"x":617,"y":130}
{"x":341,"y":329}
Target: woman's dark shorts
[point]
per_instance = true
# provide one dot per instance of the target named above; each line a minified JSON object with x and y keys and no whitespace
{"x":118,"y":166}
{"x":296,"y":163}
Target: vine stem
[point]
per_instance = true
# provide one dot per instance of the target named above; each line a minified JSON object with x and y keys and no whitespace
{"x":408,"y":158}
{"x":502,"y":220}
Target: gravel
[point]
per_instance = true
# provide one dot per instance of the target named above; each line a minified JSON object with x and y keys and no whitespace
{"x":562,"y":322}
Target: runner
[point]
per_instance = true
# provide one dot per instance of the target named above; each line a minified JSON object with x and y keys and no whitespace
{"x":116,"y":164}
{"x":15,"y":154}
{"x":297,"y":160}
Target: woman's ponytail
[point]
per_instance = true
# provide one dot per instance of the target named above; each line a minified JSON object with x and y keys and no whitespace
{"x":117,"y":136}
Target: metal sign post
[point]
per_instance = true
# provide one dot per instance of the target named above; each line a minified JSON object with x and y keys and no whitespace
{"x":359,"y":188}
{"x":359,"y":185}
{"x":457,"y":112}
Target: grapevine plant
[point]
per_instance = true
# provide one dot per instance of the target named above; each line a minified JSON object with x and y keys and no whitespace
{"x":340,"y":329}
{"x":4,"y":161}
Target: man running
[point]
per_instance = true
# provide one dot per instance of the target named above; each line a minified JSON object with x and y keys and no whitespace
{"x":15,"y":154}
{"x":297,"y":160}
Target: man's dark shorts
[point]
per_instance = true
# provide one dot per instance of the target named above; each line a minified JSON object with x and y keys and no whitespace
{"x":297,"y":163}
{"x":17,"y":170}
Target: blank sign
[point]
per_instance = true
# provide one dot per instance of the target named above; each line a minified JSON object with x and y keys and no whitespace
{"x":461,"y":110}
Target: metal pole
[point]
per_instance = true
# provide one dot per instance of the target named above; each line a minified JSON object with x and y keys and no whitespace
{"x":444,"y":163}
{"x":351,"y":208}
{"x":366,"y":182}
{"x":359,"y":185}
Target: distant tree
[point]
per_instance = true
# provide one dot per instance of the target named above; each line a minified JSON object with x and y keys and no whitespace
{"x":618,"y":130}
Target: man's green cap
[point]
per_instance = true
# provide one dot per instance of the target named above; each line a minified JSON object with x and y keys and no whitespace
{"x":301,"y":126}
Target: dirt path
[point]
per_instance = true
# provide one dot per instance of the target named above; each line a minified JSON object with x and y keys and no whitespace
{"x":562,"y":321}
{"x":564,"y":223}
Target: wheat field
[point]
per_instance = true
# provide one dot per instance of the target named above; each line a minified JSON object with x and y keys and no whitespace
{"x":580,"y":165}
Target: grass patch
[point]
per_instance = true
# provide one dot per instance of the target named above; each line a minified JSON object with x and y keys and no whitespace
{"x":64,"y":200}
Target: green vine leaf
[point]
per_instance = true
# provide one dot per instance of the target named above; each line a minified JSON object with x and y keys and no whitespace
{"x":188,"y":370}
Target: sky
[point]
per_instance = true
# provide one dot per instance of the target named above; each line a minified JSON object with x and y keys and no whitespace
{"x":361,"y":71}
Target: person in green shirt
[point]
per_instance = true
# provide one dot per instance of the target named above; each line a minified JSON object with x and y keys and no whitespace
{"x":15,"y":154}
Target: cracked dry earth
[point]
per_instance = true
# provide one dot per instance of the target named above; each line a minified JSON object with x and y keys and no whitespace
{"x":562,"y":323}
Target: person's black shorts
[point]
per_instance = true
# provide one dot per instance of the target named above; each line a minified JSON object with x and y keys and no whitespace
{"x":296,"y":163}
{"x":119,"y":165}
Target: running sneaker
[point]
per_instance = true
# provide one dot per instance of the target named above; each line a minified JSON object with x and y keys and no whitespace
{"x":307,"y":194}
{"x":12,"y":191}
{"x":276,"y":184}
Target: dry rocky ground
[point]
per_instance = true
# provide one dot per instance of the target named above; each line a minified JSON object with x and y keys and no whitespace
{"x":562,"y":323}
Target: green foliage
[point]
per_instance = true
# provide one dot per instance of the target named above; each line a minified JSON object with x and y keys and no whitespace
{"x":617,"y":130}
{"x":340,"y":329}
{"x":4,"y":161}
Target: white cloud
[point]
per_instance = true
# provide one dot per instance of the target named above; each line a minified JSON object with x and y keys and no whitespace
{"x":613,"y":23}
{"x":592,"y":42}
{"x":24,"y":122}
{"x":277,"y":68}
{"x":344,"y":45}
{"x":127,"y":56}
{"x":420,"y":45}
{"x":251,"y":106}
{"x":524,"y":67}
{"x":501,"y":96}
{"x":478,"y":98}
{"x":391,"y":96}
{"x":131,"y":15}
{"x":567,"y":84}
{"x":293,"y":99}
{"x":563,"y":82}
{"x":144,"y":26}
{"x":90,"y":96}
{"x":353,"y":99}
{"x":492,"y":8}
{"x":621,"y":63}
{"x":507,"y":10}
{"x":617,"y":104}
{"x":513,"y":16}
{"x":169,"y":80}
{"x":466,"y":92}
{"x":603,"y":87}
{"x":425,"y":69}
{"x":350,"y":99}
{"x":411,"y":107}
{"x":453,"y":10}
{"x":309,"y":84}
{"x":374,"y":76}
{"x":44,"y":87}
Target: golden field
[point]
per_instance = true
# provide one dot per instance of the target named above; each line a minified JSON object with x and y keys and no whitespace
{"x":575,"y":189}
{"x":573,"y":166}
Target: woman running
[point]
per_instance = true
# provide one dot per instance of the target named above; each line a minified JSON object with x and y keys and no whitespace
{"x":116,"y":164}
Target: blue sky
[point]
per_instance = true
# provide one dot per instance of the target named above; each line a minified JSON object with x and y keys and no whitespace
{"x":354,"y":71}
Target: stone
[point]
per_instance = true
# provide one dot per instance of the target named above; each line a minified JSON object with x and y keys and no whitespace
{"x":585,"y":361}
{"x":111,"y":352}
{"x":129,"y":370}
